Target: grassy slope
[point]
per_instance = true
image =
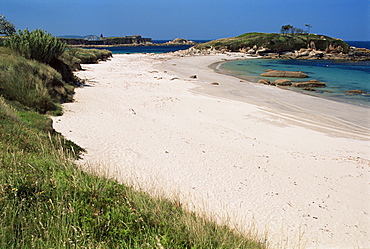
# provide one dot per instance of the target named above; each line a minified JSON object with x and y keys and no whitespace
{"x":273,"y":41}
{"x":46,"y":201}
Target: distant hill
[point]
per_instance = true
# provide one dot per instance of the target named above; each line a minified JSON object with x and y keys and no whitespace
{"x":277,"y":43}
{"x":86,"y":37}
{"x":90,"y":41}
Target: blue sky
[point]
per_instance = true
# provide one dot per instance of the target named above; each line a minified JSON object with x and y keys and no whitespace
{"x":190,"y":19}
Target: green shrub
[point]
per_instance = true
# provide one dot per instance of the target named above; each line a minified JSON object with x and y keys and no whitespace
{"x":31,"y":83}
{"x":86,"y":56}
{"x":40,"y":86}
{"x":37,"y":44}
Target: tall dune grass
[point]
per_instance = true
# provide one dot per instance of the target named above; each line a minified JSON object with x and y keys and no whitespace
{"x":32,"y":83}
{"x":36,"y":45}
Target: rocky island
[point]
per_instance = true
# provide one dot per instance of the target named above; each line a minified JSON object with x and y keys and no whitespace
{"x":288,"y":46}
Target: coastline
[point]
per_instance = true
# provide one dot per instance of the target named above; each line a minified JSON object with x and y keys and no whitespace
{"x":263,"y":158}
{"x":347,"y":118}
{"x":316,"y":93}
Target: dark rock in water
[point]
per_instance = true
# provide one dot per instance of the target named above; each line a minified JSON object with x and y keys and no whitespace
{"x":355,"y":92}
{"x":283,"y":82}
{"x":309,"y":89}
{"x":311,"y":83}
{"x":264,"y":81}
{"x":285,"y":74}
{"x":193,"y":77}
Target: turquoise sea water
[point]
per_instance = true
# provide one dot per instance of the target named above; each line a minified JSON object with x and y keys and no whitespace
{"x":339,"y":76}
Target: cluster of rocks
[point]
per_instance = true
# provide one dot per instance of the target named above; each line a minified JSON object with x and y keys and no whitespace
{"x":307,"y":85}
{"x":331,"y":53}
{"x":179,"y":41}
{"x":193,"y":52}
{"x":287,"y":74}
{"x":257,"y":51}
{"x":287,"y":82}
{"x":355,"y":54}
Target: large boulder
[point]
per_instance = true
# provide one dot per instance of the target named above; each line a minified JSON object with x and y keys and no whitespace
{"x":264,"y":81}
{"x":311,"y":83}
{"x":302,"y":53}
{"x":283,"y":82}
{"x":317,"y":54}
{"x":251,"y":51}
{"x":263,"y":51}
{"x":284,"y":74}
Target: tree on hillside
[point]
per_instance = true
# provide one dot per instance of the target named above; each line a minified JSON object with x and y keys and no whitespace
{"x":308,"y":28}
{"x":286,"y":28}
{"x":299,"y":31}
{"x":6,"y":27}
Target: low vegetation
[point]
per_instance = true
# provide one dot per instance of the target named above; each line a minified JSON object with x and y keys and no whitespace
{"x":31,"y":83}
{"x":36,"y":45}
{"x":46,"y":201}
{"x":274,"y":41}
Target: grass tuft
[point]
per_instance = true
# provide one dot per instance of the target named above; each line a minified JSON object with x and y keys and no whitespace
{"x":31,"y":83}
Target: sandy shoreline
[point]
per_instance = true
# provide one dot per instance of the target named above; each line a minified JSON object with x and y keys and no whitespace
{"x":294,"y":166}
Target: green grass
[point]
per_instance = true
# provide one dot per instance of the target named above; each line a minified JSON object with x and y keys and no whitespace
{"x":47,"y":201}
{"x":36,"y":45}
{"x":40,"y":86}
{"x":86,"y":56}
{"x":32,"y":83}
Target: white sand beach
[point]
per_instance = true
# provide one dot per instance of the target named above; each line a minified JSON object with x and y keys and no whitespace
{"x":292,"y":167}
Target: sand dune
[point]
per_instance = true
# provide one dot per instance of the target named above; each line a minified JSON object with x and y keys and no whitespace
{"x":296,"y":168}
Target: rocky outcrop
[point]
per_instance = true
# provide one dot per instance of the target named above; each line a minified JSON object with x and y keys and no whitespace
{"x":284,"y":74}
{"x":179,"y":41}
{"x":355,"y":92}
{"x":283,"y":82}
{"x":309,"y":89}
{"x":264,"y":81}
{"x":355,"y":54}
{"x":311,"y":83}
{"x":307,"y":85}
